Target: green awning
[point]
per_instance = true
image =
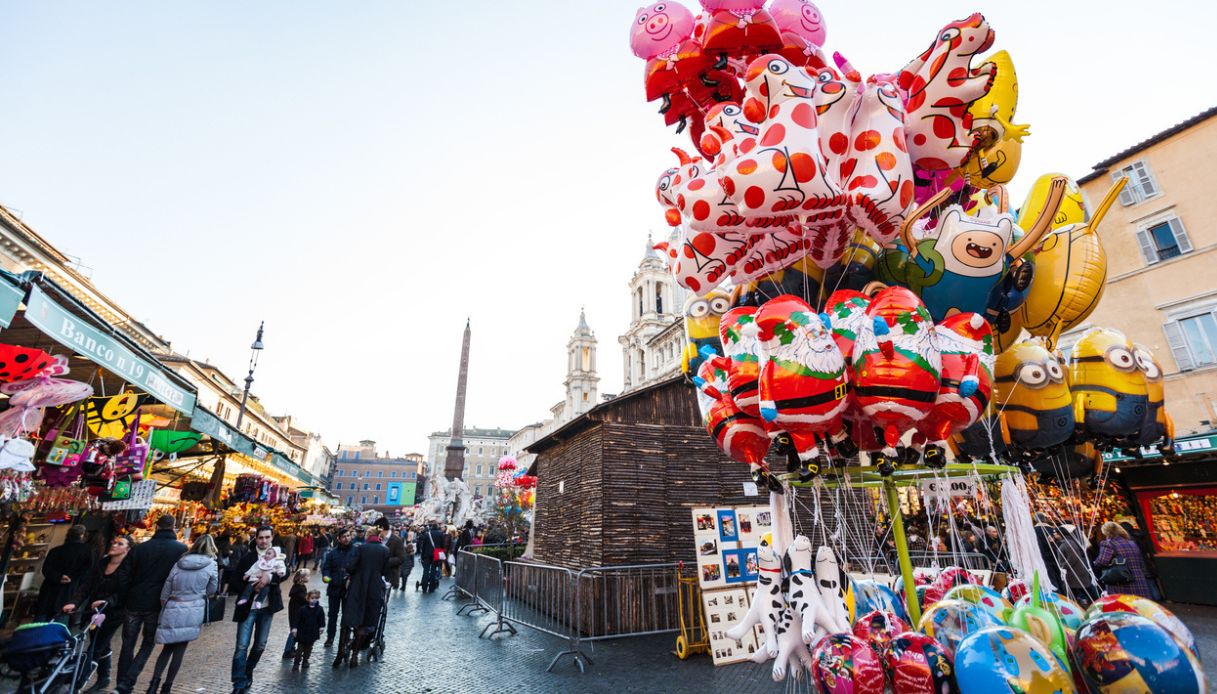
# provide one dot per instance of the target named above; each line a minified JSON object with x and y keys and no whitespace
{"x":205,"y":422}
{"x":10,"y":298}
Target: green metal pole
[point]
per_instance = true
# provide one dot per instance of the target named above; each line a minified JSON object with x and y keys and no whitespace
{"x":902,"y":551}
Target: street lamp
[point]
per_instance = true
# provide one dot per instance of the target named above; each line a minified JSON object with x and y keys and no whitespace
{"x":255,"y":351}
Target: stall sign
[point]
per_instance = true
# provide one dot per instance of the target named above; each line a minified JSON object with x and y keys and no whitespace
{"x":951,"y":487}
{"x":70,"y":331}
{"x":10,"y":299}
{"x":1183,"y":446}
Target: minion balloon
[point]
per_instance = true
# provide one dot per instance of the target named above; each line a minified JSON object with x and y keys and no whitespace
{"x":1158,"y":427}
{"x":1110,"y":396}
{"x":702,"y":316}
{"x":1032,"y":398}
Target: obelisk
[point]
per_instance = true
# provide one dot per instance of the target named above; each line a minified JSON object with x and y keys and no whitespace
{"x":454,"y":465}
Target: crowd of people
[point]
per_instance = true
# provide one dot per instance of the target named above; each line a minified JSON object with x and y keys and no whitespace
{"x":161,"y":592}
{"x":1111,"y":558}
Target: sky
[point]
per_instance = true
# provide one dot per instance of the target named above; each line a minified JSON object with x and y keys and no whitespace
{"x":365,"y":176}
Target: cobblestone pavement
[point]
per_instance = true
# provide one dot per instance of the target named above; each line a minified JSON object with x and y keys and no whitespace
{"x":432,"y":650}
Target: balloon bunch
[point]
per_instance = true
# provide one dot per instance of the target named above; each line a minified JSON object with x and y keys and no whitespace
{"x":799,"y":599}
{"x":811,"y":181}
{"x":797,"y":150}
{"x":860,"y":375}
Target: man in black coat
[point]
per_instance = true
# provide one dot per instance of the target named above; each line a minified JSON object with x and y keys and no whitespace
{"x":334,"y":573}
{"x":142,"y":576}
{"x":431,"y":540}
{"x":396,"y":544}
{"x":62,"y":572}
{"x":365,"y":595}
{"x":253,"y":626}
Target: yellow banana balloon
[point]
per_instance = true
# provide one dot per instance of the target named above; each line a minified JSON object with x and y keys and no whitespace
{"x":995,"y":110}
{"x":1070,"y":274}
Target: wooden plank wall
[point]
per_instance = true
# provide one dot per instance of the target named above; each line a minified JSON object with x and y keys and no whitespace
{"x":632,"y":481}
{"x":569,"y":524}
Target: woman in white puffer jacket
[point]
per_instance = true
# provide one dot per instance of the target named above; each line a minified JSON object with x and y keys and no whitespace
{"x":184,"y":607}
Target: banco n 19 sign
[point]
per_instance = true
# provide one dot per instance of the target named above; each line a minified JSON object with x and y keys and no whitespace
{"x":956,"y":486}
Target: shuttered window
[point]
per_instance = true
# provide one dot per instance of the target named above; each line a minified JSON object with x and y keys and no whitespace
{"x":1193,"y":340}
{"x":1164,"y":240}
{"x":1141,"y":184}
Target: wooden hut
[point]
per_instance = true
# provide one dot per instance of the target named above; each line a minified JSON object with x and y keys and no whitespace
{"x":617,"y":484}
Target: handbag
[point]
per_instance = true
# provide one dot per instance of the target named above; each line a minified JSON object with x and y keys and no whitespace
{"x":215,"y":608}
{"x":438,"y":554}
{"x":1116,"y":574}
{"x":67,"y":445}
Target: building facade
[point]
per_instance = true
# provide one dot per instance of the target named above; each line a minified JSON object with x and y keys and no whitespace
{"x":651,"y":345}
{"x":366,"y":479}
{"x":483,"y":448}
{"x":1161,"y":288}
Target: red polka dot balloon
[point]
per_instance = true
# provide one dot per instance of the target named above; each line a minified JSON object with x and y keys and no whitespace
{"x":22,"y":363}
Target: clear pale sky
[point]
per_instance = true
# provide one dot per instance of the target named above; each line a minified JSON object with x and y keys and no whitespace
{"x":363,"y":176}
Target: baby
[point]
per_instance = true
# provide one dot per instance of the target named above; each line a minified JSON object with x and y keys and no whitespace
{"x":271,"y":562}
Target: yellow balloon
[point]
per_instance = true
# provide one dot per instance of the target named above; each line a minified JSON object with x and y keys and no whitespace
{"x":995,"y":110}
{"x":1032,"y":397}
{"x":1159,"y":425}
{"x":1073,"y":205}
{"x":1110,"y":397}
{"x":995,"y":165}
{"x":1070,"y":274}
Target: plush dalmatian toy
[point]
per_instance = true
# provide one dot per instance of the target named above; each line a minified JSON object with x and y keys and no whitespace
{"x":767,"y":600}
{"x":832,"y":582}
{"x":804,"y":593}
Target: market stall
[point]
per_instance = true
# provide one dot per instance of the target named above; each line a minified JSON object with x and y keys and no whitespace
{"x":1176,"y":504}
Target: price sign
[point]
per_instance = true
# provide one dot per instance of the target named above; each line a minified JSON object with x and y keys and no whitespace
{"x":952,"y":487}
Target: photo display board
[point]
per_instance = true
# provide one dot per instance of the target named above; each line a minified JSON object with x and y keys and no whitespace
{"x":724,"y":607}
{"x":725,"y":541}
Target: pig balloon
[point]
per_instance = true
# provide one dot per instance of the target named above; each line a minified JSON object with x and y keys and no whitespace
{"x":799,"y":19}
{"x":659,"y":29}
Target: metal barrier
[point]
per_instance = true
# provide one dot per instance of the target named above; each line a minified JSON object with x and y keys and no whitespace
{"x":593,"y":604}
{"x":462,"y":577}
{"x":968,"y":560}
{"x":613,"y":602}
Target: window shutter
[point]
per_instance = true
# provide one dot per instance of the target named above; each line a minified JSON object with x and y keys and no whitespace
{"x":1127,"y":197}
{"x":1148,"y":251}
{"x":1178,"y":345}
{"x":1145,"y":180}
{"x":1185,"y":244}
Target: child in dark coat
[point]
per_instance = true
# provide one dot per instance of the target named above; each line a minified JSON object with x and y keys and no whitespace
{"x":310,"y":620}
{"x":296,"y":599}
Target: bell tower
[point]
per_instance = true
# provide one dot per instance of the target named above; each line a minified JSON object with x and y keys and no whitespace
{"x":581,"y":378}
{"x":655,"y":301}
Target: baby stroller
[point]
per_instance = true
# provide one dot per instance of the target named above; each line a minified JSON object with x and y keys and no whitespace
{"x":47,"y":657}
{"x":351,"y":642}
{"x":376,"y":645}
